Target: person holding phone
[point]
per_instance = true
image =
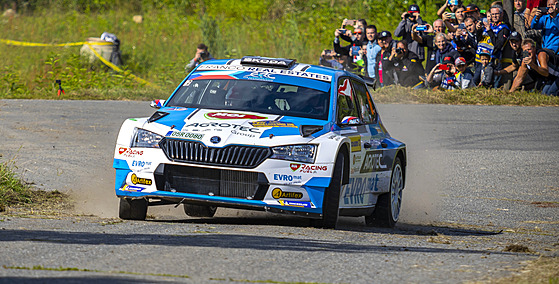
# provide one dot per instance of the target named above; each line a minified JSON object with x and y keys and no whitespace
{"x":443,"y":75}
{"x":409,"y":19}
{"x":545,"y":19}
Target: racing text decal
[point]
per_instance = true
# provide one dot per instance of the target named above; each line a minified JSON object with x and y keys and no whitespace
{"x":277,"y":193}
{"x":129,"y":152}
{"x":307,"y":169}
{"x":232,"y":115}
{"x":373,"y":162}
{"x":271,"y":123}
{"x":224,"y":125}
{"x":136,"y":180}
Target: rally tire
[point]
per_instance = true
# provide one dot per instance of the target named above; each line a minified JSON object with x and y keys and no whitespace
{"x":331,"y":202}
{"x":194,"y":210}
{"x":133,"y":209}
{"x":387,"y":209}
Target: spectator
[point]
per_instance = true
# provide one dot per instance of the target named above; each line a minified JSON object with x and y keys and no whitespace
{"x":353,"y":48}
{"x":549,"y":25}
{"x":509,"y":70}
{"x":329,"y":58}
{"x":202,"y":54}
{"x":347,"y":35}
{"x":451,"y":22}
{"x":442,"y":75}
{"x":452,"y":5}
{"x":384,"y":70}
{"x":472,"y":10}
{"x":541,"y":66}
{"x":372,"y":50}
{"x":406,"y":64}
{"x":427,"y":39}
{"x":521,"y":23}
{"x":444,"y":49}
{"x":485,"y":70}
{"x":464,"y":43}
{"x":464,"y":76}
{"x":404,"y":30}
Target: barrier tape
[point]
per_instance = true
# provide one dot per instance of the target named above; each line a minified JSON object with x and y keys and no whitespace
{"x":89,"y":44}
{"x":23,"y":43}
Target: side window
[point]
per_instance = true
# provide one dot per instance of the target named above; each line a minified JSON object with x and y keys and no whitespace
{"x":366,"y":106}
{"x":346,"y":102}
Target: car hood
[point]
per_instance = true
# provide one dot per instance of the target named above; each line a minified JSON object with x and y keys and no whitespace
{"x":225,"y":127}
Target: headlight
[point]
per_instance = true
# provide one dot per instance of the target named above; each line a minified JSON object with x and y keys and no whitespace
{"x":299,"y":153}
{"x":146,"y":139}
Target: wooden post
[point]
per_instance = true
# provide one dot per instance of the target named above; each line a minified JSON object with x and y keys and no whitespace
{"x":508,"y":7}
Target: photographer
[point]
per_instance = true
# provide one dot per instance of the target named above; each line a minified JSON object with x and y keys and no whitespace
{"x":546,"y":20}
{"x":384,"y":70}
{"x":406,"y":64}
{"x":202,"y":55}
{"x":443,"y":75}
{"x":540,"y":66}
{"x":404,"y":30}
{"x":427,"y":39}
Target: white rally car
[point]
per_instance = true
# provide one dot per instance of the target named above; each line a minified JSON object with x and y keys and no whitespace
{"x":263,"y":134}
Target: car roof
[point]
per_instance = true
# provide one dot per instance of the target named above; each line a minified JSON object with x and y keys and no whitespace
{"x":280,"y":63}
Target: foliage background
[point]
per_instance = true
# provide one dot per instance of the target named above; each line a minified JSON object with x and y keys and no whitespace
{"x":158,"y":48}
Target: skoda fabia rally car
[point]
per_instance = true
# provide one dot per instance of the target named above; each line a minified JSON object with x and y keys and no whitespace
{"x":263,"y":134}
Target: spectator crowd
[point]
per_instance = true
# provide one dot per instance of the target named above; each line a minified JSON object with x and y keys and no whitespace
{"x":465,"y":48}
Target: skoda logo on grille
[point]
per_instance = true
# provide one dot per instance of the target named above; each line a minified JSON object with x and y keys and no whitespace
{"x":215,"y":139}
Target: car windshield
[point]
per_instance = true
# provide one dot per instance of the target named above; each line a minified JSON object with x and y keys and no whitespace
{"x":252,"y":95}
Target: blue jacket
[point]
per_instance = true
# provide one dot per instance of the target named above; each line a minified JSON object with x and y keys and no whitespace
{"x":550,"y":31}
{"x":372,"y":51}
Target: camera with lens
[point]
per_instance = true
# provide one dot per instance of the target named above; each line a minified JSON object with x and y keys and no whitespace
{"x":399,"y":50}
{"x":525,"y":54}
{"x":204,"y":55}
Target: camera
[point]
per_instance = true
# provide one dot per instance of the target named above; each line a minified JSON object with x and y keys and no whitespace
{"x":204,"y":55}
{"x":421,"y":28}
{"x":452,"y":15}
{"x":444,"y":67}
{"x":544,"y":10}
{"x":399,"y":50}
{"x":525,"y":54}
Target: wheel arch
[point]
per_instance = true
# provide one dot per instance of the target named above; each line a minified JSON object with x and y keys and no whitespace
{"x":344,"y":150}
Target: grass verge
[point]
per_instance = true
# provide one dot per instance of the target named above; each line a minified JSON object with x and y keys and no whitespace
{"x":542,"y":270}
{"x":15,"y":192}
{"x":475,"y":96}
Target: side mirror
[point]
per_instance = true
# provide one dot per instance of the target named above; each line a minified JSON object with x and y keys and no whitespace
{"x":350,"y":120}
{"x":157,"y":104}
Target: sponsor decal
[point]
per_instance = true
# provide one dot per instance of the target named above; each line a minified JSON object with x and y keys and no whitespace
{"x":302,"y":204}
{"x":232,"y":115}
{"x":308,"y":75}
{"x":355,"y":143}
{"x":215,"y":139}
{"x":242,"y":133}
{"x":373,"y":162}
{"x":357,"y":188}
{"x":277,"y":62}
{"x":307,"y":169}
{"x":262,"y":76}
{"x":132,"y":188}
{"x":287,"y":177}
{"x":356,"y":159}
{"x":184,"y":135}
{"x":136,"y":180}
{"x":272,"y":123}
{"x":277,"y":193}
{"x":140,"y":164}
{"x":178,"y":108}
{"x":225,"y":125}
{"x":129,"y":152}
{"x":345,"y":88}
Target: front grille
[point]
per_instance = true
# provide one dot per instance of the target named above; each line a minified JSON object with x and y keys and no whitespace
{"x":214,"y":182}
{"x":198,"y":153}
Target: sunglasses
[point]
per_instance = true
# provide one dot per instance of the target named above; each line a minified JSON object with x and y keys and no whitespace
{"x":357,"y":32}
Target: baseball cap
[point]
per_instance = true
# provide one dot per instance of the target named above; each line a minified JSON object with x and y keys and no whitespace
{"x":384,"y":34}
{"x":413,"y":8}
{"x":448,"y":60}
{"x":515,"y":36}
{"x":471,"y":8}
{"x":460,"y":61}
{"x":484,"y":51}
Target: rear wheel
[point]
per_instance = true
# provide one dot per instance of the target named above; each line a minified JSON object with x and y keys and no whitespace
{"x":133,"y":209}
{"x":331,"y":202}
{"x":387,"y":209}
{"x":194,"y":210}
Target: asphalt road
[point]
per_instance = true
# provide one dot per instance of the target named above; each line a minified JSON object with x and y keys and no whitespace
{"x":479,"y":179}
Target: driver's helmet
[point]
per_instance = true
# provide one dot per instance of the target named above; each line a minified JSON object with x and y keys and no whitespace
{"x":234,"y":97}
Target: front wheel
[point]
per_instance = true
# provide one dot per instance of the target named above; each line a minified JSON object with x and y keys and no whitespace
{"x":133,"y":209}
{"x":331,"y":201}
{"x":387,"y":209}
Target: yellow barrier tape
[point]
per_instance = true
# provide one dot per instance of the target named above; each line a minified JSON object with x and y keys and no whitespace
{"x":89,"y":44}
{"x":23,"y":43}
{"x":114,"y":67}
